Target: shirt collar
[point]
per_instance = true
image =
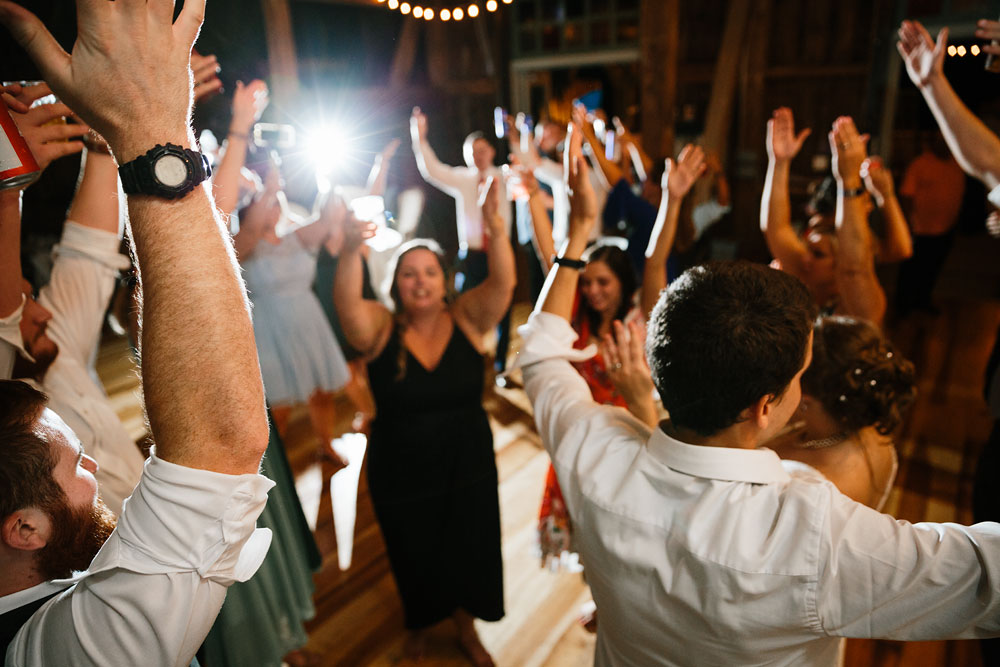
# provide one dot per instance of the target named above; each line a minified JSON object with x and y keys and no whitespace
{"x":753,"y":466}
{"x":36,"y":592}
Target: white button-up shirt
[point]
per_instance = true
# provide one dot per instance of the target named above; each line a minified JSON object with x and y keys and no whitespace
{"x":83,"y":277}
{"x":462,"y":184}
{"x":184,"y":536}
{"x":717,"y":556}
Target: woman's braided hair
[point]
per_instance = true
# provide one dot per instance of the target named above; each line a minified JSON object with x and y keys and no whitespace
{"x":858,"y":376}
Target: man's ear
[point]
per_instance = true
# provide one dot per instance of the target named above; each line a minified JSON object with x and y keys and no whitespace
{"x":26,"y":529}
{"x":759,"y":412}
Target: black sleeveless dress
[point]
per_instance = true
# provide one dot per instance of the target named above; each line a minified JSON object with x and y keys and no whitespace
{"x":433,"y":481}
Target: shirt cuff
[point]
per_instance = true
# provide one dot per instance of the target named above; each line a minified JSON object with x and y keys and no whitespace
{"x":548,"y":336}
{"x":182,"y":519}
{"x":96,"y":244}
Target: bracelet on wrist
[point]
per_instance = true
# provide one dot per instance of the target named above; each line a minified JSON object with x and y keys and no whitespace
{"x":569,"y":263}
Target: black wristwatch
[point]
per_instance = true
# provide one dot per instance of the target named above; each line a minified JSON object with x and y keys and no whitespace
{"x":169,"y":171}
{"x":577,"y":264}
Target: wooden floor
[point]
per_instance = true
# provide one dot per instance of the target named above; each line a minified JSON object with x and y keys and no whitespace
{"x":358,"y":617}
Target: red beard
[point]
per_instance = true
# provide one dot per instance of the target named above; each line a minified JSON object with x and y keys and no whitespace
{"x":77,"y":535}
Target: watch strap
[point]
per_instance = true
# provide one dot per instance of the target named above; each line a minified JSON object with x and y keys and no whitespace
{"x":137,"y":175}
{"x":577,"y":264}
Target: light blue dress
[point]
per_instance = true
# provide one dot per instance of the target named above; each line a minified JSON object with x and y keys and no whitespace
{"x":297,"y":348}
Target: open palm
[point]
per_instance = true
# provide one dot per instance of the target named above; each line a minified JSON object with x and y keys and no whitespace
{"x":923,"y":58}
{"x":681,"y":176}
{"x":782,"y":142}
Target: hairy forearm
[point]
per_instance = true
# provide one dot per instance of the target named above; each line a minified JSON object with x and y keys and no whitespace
{"x":96,"y":203}
{"x":974,"y":146}
{"x":10,"y":251}
{"x":204,"y":397}
{"x":226,"y":184}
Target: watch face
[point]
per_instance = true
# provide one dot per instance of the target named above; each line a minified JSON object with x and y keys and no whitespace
{"x":170,"y":170}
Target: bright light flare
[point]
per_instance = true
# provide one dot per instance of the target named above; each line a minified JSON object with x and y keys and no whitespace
{"x":393,"y":4}
{"x":327,"y":147}
{"x":404,"y":8}
{"x":418,"y":12}
{"x":491,"y":5}
{"x":458,"y":14}
{"x":473,"y":11}
{"x":429,"y":14}
{"x":445,"y":15}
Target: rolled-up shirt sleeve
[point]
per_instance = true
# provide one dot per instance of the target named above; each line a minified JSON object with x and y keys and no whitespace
{"x":153,"y":592}
{"x":10,"y":340}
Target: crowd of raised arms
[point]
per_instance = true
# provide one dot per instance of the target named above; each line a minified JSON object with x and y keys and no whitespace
{"x":721,"y":434}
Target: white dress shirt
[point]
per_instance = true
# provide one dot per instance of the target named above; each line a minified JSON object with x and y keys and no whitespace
{"x":154,"y":590}
{"x":10,"y":340}
{"x":83,"y":276}
{"x":462,"y":184}
{"x":716,"y":556}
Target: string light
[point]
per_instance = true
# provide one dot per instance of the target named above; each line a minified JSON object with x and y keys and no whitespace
{"x":974,"y":50}
{"x":961,"y":51}
{"x":952,"y":50}
{"x":450,"y":14}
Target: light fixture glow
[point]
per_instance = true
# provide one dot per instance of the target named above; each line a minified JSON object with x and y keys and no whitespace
{"x":961,"y":51}
{"x":952,"y":50}
{"x":458,"y":14}
{"x":507,"y":2}
{"x":429,"y":14}
{"x":404,"y":8}
{"x":445,"y":15}
{"x":491,"y":5}
{"x":473,"y":11}
{"x":974,"y":50}
{"x":418,"y":12}
{"x":393,"y":4}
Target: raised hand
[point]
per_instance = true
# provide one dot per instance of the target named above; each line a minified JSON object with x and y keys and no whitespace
{"x":628,"y":371}
{"x":782,"y":142}
{"x":849,"y":149}
{"x":249,"y":102}
{"x":993,"y":224}
{"x":923,"y":57}
{"x":356,"y":233}
{"x":126,"y":55}
{"x":986,"y":29}
{"x":583,"y":120}
{"x":679,"y":177}
{"x":489,"y":202}
{"x":878,"y":179}
{"x":49,"y":140}
{"x":389,"y":151}
{"x":418,"y":124}
{"x":206,"y":76}
{"x":582,"y":200}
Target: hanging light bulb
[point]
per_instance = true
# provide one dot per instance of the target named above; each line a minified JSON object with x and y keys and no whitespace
{"x":404,"y":8}
{"x":393,"y":4}
{"x":418,"y":12}
{"x":458,"y":14}
{"x":491,"y":5}
{"x":473,"y":11}
{"x":428,"y":14}
{"x":445,"y":15}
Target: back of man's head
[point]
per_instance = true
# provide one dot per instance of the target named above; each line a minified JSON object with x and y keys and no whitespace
{"x":722,"y":336}
{"x":26,"y":458}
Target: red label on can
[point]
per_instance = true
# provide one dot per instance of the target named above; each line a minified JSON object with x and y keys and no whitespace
{"x":15,"y":157}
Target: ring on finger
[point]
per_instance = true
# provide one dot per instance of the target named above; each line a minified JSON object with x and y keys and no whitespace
{"x":617,"y":366}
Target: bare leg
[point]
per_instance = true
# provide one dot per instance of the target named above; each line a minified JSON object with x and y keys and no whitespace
{"x":468,"y":640}
{"x":322,"y":416}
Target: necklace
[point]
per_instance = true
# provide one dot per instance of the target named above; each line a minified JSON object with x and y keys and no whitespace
{"x":822,"y":443}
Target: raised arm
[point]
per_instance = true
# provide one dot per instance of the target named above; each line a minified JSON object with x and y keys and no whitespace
{"x":638,"y":156}
{"x":379,"y":174}
{"x":783,"y":144}
{"x":897,"y":244}
{"x":974,"y":146}
{"x":541,"y":226}
{"x":678,"y":179}
{"x":612,"y":172}
{"x":249,"y":103}
{"x":484,"y":305}
{"x":431,"y":168}
{"x":629,"y":372}
{"x":861,"y":295}
{"x":205,"y":402}
{"x":259,"y":218}
{"x":366,"y":323}
{"x":559,"y":292}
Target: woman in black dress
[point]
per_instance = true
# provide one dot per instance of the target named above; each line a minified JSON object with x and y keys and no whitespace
{"x":431,"y":468}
